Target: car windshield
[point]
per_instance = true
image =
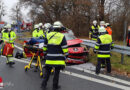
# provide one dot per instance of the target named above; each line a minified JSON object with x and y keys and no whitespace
{"x":69,"y":36}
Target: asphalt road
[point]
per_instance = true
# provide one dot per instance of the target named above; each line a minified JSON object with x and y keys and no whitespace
{"x":72,"y":78}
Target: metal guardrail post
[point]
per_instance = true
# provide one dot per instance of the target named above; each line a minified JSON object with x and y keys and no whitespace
{"x":122,"y":55}
{"x":122,"y":58}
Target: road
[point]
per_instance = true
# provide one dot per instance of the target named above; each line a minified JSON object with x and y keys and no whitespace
{"x":76,"y":77}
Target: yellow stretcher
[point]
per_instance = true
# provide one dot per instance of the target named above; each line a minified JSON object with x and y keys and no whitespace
{"x":35,"y":53}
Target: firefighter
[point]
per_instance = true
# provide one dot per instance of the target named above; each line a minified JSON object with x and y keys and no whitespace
{"x":93,"y":34}
{"x":57,"y":52}
{"x":41,"y":29}
{"x":108,"y":28}
{"x":102,"y":25}
{"x":47,"y":28}
{"x":9,"y":36}
{"x":37,"y":33}
{"x":128,"y":37}
{"x":103,"y":46}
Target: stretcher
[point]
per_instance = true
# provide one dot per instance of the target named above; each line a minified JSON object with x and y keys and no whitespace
{"x":35,"y":52}
{"x":33,"y":49}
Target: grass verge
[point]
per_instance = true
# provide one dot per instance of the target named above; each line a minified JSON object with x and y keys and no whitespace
{"x":117,"y":67}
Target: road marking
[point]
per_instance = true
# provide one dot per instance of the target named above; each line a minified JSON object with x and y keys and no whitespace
{"x":22,"y":61}
{"x":91,"y":72}
{"x":102,"y":75}
{"x":84,"y":77}
{"x":18,"y":47}
{"x":97,"y":80}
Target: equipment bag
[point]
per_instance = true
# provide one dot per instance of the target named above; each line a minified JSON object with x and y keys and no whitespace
{"x":8,"y":49}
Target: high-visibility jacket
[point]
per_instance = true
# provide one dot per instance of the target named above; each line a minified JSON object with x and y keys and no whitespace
{"x":109,"y":30}
{"x":94,"y":32}
{"x":56,"y":49}
{"x":9,"y":36}
{"x":2,"y":31}
{"x":104,"y":45}
{"x":37,"y":33}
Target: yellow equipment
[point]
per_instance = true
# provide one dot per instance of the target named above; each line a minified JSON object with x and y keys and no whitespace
{"x":35,"y":52}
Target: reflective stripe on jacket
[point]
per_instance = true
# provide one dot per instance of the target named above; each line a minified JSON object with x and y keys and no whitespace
{"x":56,"y":49}
{"x":104,"y":45}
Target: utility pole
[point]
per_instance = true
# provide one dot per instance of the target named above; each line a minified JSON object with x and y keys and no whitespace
{"x":17,"y":15}
{"x":125,"y":29}
{"x":1,"y":10}
{"x":101,"y":9}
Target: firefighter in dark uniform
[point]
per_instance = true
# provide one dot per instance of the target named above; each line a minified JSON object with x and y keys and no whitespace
{"x":56,"y":50}
{"x":93,"y":34}
{"x":128,"y":37}
{"x":103,"y":46}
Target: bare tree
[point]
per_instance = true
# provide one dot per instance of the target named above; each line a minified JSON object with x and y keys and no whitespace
{"x":78,"y":14}
{"x":16,"y":14}
{"x":2,"y":9}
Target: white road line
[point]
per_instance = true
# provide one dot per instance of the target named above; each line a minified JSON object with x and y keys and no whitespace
{"x":100,"y":75}
{"x":22,"y":61}
{"x":85,"y":77}
{"x":18,"y":47}
{"x":97,"y":80}
{"x":103,"y":76}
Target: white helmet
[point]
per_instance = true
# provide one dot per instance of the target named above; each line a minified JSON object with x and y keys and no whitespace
{"x":5,"y":26}
{"x":36,"y":26}
{"x":102,"y":23}
{"x":47,"y":25}
{"x":102,"y":30}
{"x":57,"y":24}
{"x":107,"y":24}
{"x":95,"y":22}
{"x":40,"y":24}
{"x":8,"y":26}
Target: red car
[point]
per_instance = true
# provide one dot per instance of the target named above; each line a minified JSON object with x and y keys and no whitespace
{"x":77,"y":53}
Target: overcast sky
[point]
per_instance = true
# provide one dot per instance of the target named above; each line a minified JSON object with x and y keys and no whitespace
{"x":9,"y":4}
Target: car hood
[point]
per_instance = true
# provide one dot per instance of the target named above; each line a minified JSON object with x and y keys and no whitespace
{"x":74,"y":42}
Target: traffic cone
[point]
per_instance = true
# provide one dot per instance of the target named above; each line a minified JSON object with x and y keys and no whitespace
{"x":1,"y":83}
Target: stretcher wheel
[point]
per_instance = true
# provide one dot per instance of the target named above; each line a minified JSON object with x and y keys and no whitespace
{"x":26,"y":69}
{"x":41,"y":74}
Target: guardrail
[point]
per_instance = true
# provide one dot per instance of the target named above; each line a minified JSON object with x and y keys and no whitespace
{"x":117,"y":48}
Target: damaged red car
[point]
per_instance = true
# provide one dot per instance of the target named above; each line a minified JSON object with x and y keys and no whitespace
{"x":78,"y":54}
